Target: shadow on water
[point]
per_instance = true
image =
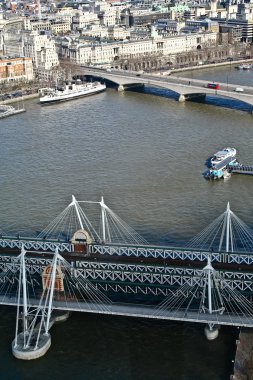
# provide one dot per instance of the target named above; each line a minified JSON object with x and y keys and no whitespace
{"x":228,"y":103}
{"x":155,"y":91}
{"x":209,"y":99}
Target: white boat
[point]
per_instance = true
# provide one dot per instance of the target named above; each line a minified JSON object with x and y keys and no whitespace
{"x":221,"y":155}
{"x":244,"y":66}
{"x":72,"y":91}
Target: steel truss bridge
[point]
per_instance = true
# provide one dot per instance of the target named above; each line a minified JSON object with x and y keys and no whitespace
{"x":24,"y":270}
{"x":35,"y":244}
{"x":120,"y":250}
{"x":195,"y":284}
{"x":155,"y":279}
{"x":132,"y":266}
{"x":37,"y":287}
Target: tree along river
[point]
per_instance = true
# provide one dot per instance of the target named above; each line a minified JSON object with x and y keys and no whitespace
{"x":145,"y":154}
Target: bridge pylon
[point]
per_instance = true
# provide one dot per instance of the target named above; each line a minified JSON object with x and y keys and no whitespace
{"x":226,"y":233}
{"x":207,"y":298}
{"x":106,"y":226}
{"x":211,"y":287}
{"x":34,"y":339}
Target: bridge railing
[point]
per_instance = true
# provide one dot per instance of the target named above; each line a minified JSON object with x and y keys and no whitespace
{"x":173,"y":253}
{"x":35,"y":244}
{"x":135,"y":251}
{"x":163,"y":253}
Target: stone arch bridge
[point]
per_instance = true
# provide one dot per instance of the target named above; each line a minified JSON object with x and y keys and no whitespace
{"x":185,"y":88}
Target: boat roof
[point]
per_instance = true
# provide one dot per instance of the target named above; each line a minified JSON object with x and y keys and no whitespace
{"x":223,"y":163}
{"x":223,"y":152}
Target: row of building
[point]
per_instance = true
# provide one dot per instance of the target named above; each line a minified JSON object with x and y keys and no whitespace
{"x":128,"y":35}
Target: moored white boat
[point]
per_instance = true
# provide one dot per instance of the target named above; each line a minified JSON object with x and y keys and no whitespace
{"x":244,"y":66}
{"x":221,"y":155}
{"x":72,"y":91}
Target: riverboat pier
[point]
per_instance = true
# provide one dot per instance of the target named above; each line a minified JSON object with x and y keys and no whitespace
{"x":224,"y":167}
{"x":208,"y":282}
{"x":240,"y":169}
{"x":6,"y":111}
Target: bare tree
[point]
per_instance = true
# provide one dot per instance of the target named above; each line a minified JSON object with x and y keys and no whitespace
{"x":69,"y":68}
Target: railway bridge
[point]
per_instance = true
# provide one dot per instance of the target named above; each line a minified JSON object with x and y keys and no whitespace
{"x":90,"y":272}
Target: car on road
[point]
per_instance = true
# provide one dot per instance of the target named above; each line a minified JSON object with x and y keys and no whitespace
{"x":239,"y":89}
{"x":214,"y":86}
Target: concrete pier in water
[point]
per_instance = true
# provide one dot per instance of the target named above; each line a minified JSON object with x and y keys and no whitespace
{"x":36,"y":348}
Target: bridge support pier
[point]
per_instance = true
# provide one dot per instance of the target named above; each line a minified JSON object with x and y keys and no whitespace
{"x":34,"y":340}
{"x":211,"y":331}
{"x":181,"y":98}
{"x":29,"y":353}
{"x":43,"y":343}
{"x":121,"y":88}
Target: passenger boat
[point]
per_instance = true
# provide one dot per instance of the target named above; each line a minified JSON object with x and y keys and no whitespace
{"x":244,"y":66}
{"x":220,"y":164}
{"x":222,"y":155}
{"x":72,"y":91}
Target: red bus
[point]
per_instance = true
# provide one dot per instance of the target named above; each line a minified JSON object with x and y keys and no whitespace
{"x":214,"y":86}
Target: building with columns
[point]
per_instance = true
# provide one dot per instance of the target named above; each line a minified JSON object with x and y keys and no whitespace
{"x":109,"y":53}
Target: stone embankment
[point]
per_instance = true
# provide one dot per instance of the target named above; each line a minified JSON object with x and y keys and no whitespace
{"x":212,"y":65}
{"x":243,"y":366}
{"x":20,"y":98}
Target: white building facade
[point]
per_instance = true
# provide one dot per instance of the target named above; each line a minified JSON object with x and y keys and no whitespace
{"x":109,"y":53}
{"x":42,"y":50}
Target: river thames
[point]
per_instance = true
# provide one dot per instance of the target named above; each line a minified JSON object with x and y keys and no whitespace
{"x":145,"y":154}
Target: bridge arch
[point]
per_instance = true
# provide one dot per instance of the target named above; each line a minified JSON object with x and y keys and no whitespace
{"x":81,"y":240}
{"x":184,"y":89}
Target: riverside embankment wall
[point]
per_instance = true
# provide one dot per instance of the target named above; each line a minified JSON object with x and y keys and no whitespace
{"x":243,"y":366}
{"x":212,"y":65}
{"x":20,"y":98}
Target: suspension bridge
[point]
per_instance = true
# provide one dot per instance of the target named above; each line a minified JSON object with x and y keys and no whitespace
{"x":78,"y":265}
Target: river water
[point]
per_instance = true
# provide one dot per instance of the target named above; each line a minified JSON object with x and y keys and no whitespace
{"x":145,"y":154}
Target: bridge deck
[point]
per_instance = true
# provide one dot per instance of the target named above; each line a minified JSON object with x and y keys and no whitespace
{"x":142,"y":311}
{"x":179,"y":85}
